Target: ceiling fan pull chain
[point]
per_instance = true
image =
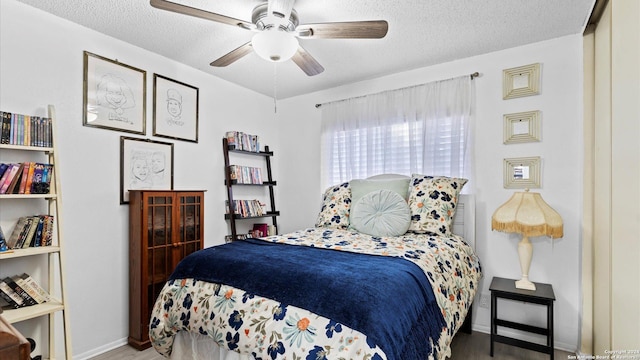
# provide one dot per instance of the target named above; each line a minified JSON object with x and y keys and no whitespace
{"x":275,"y":88}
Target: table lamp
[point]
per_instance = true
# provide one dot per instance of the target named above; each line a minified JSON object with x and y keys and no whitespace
{"x":528,"y":214}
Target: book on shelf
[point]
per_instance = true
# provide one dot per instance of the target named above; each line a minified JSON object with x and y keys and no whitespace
{"x":13,"y":185}
{"x":42,"y":174}
{"x":3,"y":241}
{"x":33,"y":294}
{"x":27,"y":130}
{"x":23,"y":180}
{"x":30,"y":282}
{"x":3,"y":168}
{"x":10,"y":296}
{"x":232,"y":140}
{"x":15,"y":234}
{"x":29,"y":182}
{"x":27,"y":233}
{"x":8,"y":177}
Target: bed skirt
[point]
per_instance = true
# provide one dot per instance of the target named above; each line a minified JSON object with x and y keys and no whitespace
{"x":192,"y":346}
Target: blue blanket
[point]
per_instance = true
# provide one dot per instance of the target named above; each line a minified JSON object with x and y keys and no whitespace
{"x":388,"y":299}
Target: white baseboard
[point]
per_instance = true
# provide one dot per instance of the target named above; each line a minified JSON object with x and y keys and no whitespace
{"x":521,"y":335}
{"x":101,"y":350}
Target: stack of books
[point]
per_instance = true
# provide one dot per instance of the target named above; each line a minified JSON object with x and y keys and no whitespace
{"x":31,"y":231}
{"x":238,"y":140}
{"x":245,"y":174}
{"x":21,"y":291}
{"x":247,"y":208}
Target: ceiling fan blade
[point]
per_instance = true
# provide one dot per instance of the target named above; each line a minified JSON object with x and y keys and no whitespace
{"x":306,"y":62}
{"x":281,"y":8}
{"x":233,"y":55}
{"x":374,"y":29}
{"x":199,"y":13}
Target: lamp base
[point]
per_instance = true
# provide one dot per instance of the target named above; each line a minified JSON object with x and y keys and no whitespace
{"x":524,"y":283}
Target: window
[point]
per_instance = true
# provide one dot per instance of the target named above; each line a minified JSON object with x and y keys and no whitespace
{"x":424,"y":129}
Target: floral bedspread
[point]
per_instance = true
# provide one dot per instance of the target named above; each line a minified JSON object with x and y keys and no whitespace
{"x":266,"y":329}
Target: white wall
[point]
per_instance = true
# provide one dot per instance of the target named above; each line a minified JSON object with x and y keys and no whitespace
{"x":560,"y":101}
{"x":41,"y":64}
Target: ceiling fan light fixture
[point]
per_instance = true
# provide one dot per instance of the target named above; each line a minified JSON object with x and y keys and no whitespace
{"x":274,"y":45}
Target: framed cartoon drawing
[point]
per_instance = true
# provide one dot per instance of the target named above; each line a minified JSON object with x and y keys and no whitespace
{"x":175,"y":109}
{"x":144,"y":164}
{"x":114,"y":95}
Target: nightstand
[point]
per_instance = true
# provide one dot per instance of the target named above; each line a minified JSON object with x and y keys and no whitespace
{"x":543,"y":295}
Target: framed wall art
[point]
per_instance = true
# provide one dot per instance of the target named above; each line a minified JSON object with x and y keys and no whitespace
{"x":522,"y":127}
{"x":114,"y":95}
{"x":144,"y":164}
{"x":521,"y":81}
{"x":522,"y":173}
{"x":175,"y":109}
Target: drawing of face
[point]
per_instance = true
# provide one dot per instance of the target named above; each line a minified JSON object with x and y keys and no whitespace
{"x":157,"y":163}
{"x":140,"y":169}
{"x":174,"y":103}
{"x":174,"y":107}
{"x":115,"y":96}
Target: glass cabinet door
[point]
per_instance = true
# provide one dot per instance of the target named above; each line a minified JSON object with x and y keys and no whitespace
{"x":190,"y":227}
{"x":159,"y":244}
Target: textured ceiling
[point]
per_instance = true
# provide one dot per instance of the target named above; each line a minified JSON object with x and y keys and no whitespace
{"x":421,"y":33}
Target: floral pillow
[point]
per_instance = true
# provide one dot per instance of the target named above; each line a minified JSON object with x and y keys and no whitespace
{"x":433,"y":202}
{"x":336,"y":205}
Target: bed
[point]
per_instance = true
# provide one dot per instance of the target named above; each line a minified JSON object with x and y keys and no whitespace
{"x":364,"y":283}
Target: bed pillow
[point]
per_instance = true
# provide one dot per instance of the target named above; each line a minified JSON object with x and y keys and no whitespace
{"x":381,"y":213}
{"x":360,"y":188}
{"x":336,"y":206}
{"x":433,"y":202}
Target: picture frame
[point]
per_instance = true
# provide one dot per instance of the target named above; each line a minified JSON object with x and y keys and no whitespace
{"x":522,"y":173}
{"x":521,"y":81}
{"x":522,"y":127}
{"x":114,"y":95}
{"x":175,"y":109}
{"x":144,"y":164}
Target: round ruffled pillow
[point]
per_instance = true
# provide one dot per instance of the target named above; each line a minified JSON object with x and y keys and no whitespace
{"x":381,"y":213}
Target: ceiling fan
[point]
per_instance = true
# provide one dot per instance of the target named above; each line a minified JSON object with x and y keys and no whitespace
{"x":277,"y":29}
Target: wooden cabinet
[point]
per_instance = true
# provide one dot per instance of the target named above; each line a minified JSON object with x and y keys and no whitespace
{"x":165,"y":226}
{"x":232,"y":214}
{"x":30,"y":258}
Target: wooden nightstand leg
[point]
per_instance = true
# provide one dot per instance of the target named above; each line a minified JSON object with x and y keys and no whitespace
{"x":550,"y":327}
{"x":494,"y":327}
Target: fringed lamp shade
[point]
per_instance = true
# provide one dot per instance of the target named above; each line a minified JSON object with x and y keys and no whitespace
{"x":528,"y":214}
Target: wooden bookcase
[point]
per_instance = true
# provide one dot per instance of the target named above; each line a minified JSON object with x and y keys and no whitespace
{"x":165,"y":226}
{"x":230,"y":183}
{"x":26,"y":257}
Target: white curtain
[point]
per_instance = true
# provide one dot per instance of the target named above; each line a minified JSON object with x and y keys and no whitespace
{"x":425,"y":129}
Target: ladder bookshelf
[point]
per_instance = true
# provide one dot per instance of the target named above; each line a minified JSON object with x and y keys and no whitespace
{"x":230,"y":183}
{"x":54,"y":285}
